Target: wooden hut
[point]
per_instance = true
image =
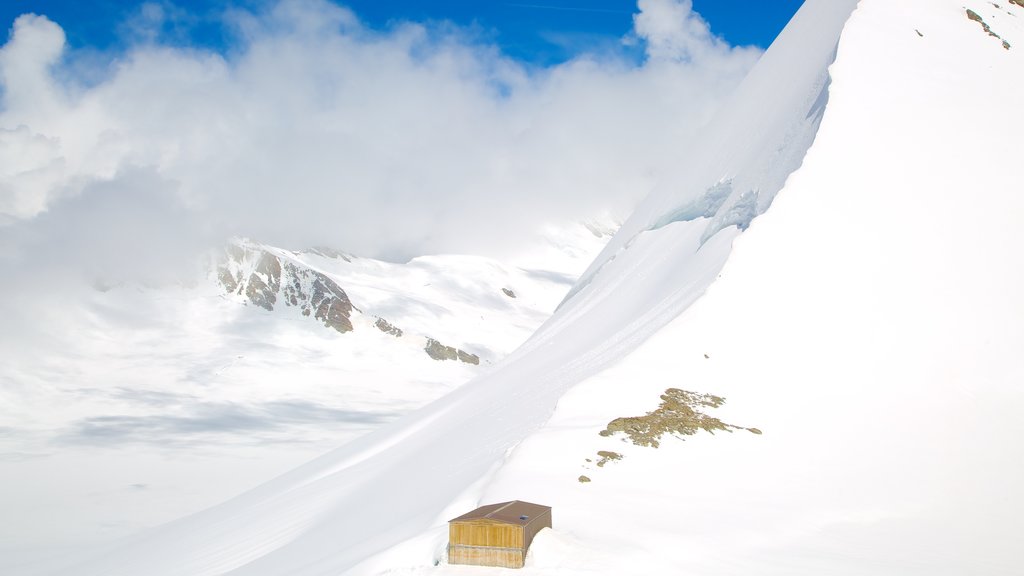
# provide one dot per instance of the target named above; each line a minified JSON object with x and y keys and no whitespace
{"x":496,"y":534}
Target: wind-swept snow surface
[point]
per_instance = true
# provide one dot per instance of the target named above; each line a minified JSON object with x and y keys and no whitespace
{"x":166,"y":400}
{"x":332,"y":514}
{"x":758,"y":138}
{"x":869,"y":325}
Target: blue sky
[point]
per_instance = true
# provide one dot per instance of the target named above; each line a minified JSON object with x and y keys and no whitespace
{"x":536,"y":31}
{"x":406,"y":142}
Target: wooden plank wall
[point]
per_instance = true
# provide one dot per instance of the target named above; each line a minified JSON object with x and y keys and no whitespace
{"x":486,"y":534}
{"x":487,"y":543}
{"x":498,"y":557}
{"x":535,"y":526}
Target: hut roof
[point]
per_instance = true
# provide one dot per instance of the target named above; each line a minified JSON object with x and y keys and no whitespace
{"x":514,"y":512}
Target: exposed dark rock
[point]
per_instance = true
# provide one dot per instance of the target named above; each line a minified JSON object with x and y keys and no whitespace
{"x":508,"y":293}
{"x":260,"y":292}
{"x":468,"y":358}
{"x":679,"y":413}
{"x":270,"y":266}
{"x":229,"y":282}
{"x":584,"y":479}
{"x":292,"y":291}
{"x":439,"y":351}
{"x":1018,"y":3}
{"x":270,"y":279}
{"x":332,"y":305}
{"x":334,"y":314}
{"x":388,"y":328}
{"x":607,"y":457}
{"x":972,"y":15}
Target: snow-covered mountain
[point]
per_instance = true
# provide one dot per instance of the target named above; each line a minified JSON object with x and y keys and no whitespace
{"x":275,"y":279}
{"x":168,"y":399}
{"x":868,"y":326}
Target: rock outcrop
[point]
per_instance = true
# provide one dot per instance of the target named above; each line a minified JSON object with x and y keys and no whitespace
{"x":439,"y":351}
{"x":270,"y":279}
{"x":388,"y":328}
{"x":265,"y":279}
{"x":680,"y":414}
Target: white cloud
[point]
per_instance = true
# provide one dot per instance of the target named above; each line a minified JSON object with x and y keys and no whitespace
{"x":32,"y":165}
{"x":32,"y":168}
{"x":35,"y":45}
{"x":314,"y":129}
{"x":672,"y":31}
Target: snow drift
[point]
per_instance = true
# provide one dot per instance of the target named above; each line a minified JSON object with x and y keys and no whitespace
{"x":869,"y":324}
{"x":857,"y":321}
{"x":168,"y":399}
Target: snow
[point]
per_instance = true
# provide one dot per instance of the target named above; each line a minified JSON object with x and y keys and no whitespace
{"x":167,"y":400}
{"x":756,"y":140}
{"x":868,"y":324}
{"x":337,"y":511}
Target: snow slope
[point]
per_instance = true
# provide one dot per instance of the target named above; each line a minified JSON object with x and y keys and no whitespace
{"x":740,"y":161}
{"x":869,"y":324}
{"x":167,"y":400}
{"x":392,"y":485}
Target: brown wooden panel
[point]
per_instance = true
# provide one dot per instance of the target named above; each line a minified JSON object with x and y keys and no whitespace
{"x":536,"y":525}
{"x":486,"y":534}
{"x":498,"y":557}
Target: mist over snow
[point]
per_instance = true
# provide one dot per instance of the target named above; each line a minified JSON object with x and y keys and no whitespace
{"x":865,"y":325}
{"x":311,"y":128}
{"x":307,"y":128}
{"x":802,"y":268}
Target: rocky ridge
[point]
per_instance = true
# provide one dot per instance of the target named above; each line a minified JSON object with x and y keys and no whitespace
{"x":267,"y":278}
{"x":264,"y":280}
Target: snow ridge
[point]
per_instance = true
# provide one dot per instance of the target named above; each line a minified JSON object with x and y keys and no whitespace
{"x":267,"y":277}
{"x":757,"y":139}
{"x":328,"y":516}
